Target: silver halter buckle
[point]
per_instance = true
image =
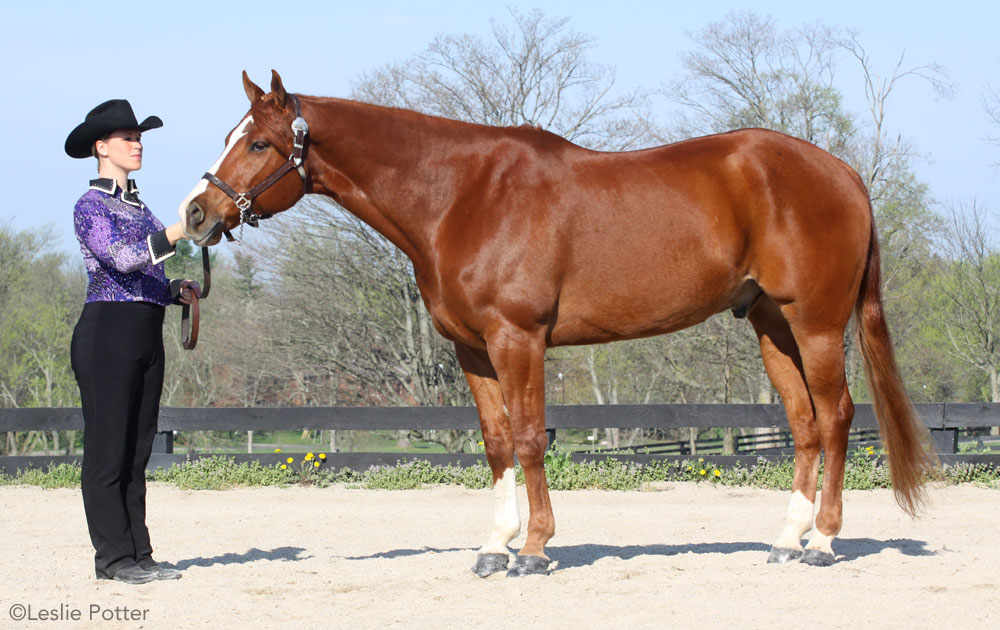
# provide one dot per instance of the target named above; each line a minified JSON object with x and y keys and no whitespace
{"x":242,"y":202}
{"x":301,"y":129}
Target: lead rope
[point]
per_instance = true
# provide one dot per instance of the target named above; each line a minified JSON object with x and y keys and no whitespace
{"x":190,"y":314}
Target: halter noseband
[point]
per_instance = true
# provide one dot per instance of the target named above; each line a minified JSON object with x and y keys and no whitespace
{"x":244,"y":200}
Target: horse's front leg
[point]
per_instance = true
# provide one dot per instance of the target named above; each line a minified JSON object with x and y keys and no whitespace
{"x":493,"y":557}
{"x":518,"y":356}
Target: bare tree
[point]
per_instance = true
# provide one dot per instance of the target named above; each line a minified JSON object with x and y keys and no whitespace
{"x":744,"y":72}
{"x":535,"y":71}
{"x":883,"y":159}
{"x":991,"y":106}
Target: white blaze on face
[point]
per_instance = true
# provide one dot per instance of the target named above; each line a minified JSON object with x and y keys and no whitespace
{"x":797,"y":523}
{"x":506,"y":519}
{"x":202,"y":185}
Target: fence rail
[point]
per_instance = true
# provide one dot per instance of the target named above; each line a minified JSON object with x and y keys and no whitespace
{"x":944,"y":420}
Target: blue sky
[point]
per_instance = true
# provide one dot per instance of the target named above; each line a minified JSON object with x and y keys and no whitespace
{"x":182,"y":61}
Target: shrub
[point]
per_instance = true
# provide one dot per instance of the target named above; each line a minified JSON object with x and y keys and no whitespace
{"x":865,"y":470}
{"x":61,"y":476}
{"x":219,"y":473}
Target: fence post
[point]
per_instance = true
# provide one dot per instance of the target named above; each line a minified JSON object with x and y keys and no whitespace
{"x":551,"y":434}
{"x":163,"y":442}
{"x":945,"y":440}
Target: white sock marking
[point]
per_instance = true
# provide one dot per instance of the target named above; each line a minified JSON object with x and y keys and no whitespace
{"x":798,"y":521}
{"x":506,"y":519}
{"x":822,"y":542}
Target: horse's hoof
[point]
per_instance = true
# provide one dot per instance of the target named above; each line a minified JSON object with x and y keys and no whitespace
{"x":529,"y":565}
{"x":817,"y":558}
{"x":781,"y":555}
{"x":489,"y":563}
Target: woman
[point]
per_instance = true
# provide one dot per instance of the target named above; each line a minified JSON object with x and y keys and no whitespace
{"x":117,"y":350}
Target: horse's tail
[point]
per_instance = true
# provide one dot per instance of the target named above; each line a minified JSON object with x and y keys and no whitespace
{"x":904,"y":436}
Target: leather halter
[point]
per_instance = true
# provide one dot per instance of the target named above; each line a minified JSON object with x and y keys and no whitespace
{"x":244,"y":200}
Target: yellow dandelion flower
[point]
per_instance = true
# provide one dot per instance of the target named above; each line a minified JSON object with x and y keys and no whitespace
{"x":690,"y":469}
{"x":283,"y":467}
{"x":309,"y":457}
{"x":717,"y":472}
{"x":277,"y":450}
{"x":702,"y":472}
{"x":290,"y":460}
{"x":701,"y":459}
{"x":322,"y":455}
{"x":316,"y":464}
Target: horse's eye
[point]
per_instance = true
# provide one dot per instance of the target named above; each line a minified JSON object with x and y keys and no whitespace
{"x":258,"y":146}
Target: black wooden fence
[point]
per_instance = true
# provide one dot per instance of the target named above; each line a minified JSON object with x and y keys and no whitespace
{"x":944,"y":420}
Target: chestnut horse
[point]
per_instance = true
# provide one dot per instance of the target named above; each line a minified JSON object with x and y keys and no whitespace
{"x":521,"y":240}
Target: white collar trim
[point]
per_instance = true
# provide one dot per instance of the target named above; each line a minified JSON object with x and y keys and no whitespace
{"x":110,"y":186}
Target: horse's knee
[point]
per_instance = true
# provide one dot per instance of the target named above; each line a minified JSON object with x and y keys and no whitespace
{"x":497,"y":451}
{"x":807,"y":442}
{"x":497,"y":444}
{"x":531,"y":449}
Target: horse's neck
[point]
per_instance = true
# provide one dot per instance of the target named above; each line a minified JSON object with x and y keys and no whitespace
{"x":394,"y":169}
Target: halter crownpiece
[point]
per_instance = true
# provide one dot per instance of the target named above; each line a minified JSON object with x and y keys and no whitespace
{"x":296,"y":161}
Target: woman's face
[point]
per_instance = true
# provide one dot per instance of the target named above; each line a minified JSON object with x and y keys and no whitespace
{"x":123,"y":148}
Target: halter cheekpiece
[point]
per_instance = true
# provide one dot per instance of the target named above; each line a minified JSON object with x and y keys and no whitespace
{"x":244,"y":200}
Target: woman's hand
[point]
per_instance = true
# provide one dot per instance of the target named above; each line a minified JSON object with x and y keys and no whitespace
{"x":175,"y":233}
{"x":189,"y":287}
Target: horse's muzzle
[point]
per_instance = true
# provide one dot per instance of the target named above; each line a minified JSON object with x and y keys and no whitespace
{"x":201,"y":232}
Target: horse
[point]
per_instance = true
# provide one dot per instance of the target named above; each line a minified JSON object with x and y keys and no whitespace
{"x":521,"y":241}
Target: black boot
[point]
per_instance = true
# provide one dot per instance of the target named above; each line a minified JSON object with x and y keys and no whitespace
{"x":162,"y":572}
{"x":129,"y":574}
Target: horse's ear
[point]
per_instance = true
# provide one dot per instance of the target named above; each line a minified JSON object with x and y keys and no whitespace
{"x":253,"y":91}
{"x":278,"y":89}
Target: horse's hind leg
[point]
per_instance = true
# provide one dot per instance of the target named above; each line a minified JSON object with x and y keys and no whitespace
{"x":493,"y":557}
{"x":783,"y":363}
{"x":823,"y":362}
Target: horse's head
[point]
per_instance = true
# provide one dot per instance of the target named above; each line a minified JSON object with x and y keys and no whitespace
{"x":255,"y":167}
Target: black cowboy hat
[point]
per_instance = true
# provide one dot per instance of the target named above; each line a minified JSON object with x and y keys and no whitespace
{"x":102,"y":120}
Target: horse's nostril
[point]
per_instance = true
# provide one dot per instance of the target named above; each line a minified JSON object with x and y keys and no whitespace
{"x":195,"y":214}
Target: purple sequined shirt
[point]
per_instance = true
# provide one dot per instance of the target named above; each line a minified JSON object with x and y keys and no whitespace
{"x":114,"y":229}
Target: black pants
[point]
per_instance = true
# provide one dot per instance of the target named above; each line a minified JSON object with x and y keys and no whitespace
{"x":117,"y":356}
